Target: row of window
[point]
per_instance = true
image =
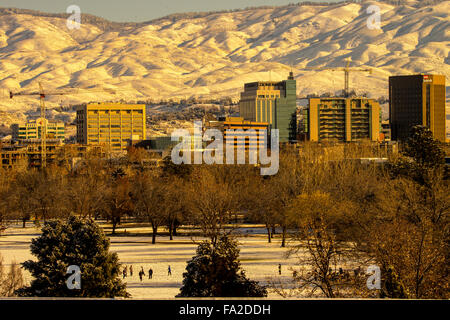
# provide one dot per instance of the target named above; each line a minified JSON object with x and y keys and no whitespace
{"x":267,"y":96}
{"x":125,"y":141}
{"x":114,"y":111}
{"x":123,"y":124}
{"x":92,"y":131}
{"x":112,"y":126}
{"x":116,"y":123}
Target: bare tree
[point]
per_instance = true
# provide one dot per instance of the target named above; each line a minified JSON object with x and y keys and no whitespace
{"x":409,"y":235}
{"x":84,"y":194}
{"x":258,"y":205}
{"x":284,"y":187}
{"x":212,"y":201}
{"x":151,"y":197}
{"x":5,"y":195}
{"x":117,"y":199}
{"x":177,"y":209}
{"x":39,"y":193}
{"x":21,"y":206}
{"x":322,"y":254}
{"x":10,"y":281}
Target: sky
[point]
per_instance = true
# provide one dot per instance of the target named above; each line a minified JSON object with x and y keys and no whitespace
{"x":140,"y":10}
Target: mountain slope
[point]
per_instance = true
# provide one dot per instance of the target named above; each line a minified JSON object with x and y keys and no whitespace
{"x":215,"y":54}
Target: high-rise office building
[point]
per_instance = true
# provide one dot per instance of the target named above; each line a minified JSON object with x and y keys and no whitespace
{"x":417,"y":100}
{"x":272,"y":102}
{"x":33,"y":128}
{"x":343,"y":119}
{"x":111,"y":124}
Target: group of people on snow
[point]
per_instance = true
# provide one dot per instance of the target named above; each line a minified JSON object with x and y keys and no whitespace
{"x":127,"y":269}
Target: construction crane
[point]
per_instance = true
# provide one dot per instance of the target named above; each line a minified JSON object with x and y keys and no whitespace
{"x":43,"y":121}
{"x":347,"y":71}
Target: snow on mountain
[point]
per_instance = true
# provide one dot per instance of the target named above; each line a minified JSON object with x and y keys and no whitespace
{"x":214,"y":54}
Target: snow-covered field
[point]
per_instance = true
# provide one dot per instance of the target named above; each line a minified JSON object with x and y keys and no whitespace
{"x":259,"y":259}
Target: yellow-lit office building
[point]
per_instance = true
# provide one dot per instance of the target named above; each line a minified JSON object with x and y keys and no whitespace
{"x":111,"y":124}
{"x":343,"y":119}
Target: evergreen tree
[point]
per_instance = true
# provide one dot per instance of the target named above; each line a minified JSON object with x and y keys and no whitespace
{"x":215,"y":272}
{"x":393,"y":287}
{"x":426,"y":151}
{"x":73,"y":242}
{"x":422,"y":159}
{"x":170,"y":169}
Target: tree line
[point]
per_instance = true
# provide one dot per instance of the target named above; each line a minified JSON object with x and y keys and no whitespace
{"x":338,"y":212}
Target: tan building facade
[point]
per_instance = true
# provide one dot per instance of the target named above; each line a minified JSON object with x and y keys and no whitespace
{"x":111,"y":124}
{"x":343,"y":119}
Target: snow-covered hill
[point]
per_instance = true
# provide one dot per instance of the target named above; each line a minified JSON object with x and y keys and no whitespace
{"x":214,"y":54}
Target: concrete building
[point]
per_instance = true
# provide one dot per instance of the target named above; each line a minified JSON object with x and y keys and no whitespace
{"x":417,"y":100}
{"x":79,"y":151}
{"x":13,"y":156}
{"x":33,"y":128}
{"x":385,"y":131}
{"x":343,"y":119}
{"x":27,"y":153}
{"x":111,"y":124}
{"x":34,"y":153}
{"x":271,"y":102}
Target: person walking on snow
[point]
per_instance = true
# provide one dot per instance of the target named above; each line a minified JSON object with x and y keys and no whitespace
{"x":150,"y":273}
{"x":169,"y":271}
{"x":125,"y":272}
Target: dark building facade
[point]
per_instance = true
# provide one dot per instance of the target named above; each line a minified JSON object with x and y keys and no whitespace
{"x":417,"y":100}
